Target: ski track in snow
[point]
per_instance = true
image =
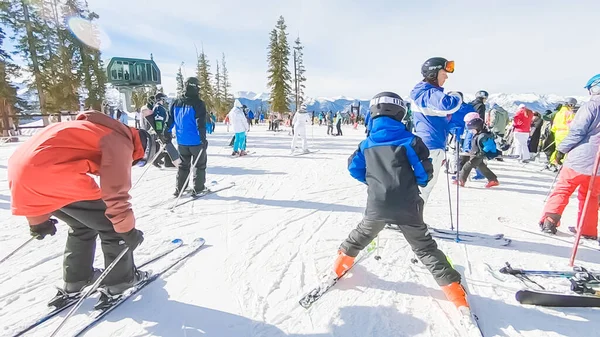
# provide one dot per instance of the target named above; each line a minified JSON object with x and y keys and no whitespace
{"x":270,"y":238}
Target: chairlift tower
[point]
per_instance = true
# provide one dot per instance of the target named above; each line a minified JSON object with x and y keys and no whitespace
{"x":127,"y":74}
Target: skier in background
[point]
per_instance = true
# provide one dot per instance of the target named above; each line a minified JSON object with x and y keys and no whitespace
{"x":159,"y":116}
{"x":431,"y":106}
{"x":49,"y":176}
{"x":483,"y":146}
{"x":479,"y":103}
{"x":456,"y":126}
{"x":522,"y":126}
{"x":188,"y":117}
{"x":301,"y":119}
{"x":581,"y":145}
{"x":329,"y":119}
{"x":535,"y":133}
{"x":239,"y":122}
{"x":498,"y":122}
{"x":393,"y":178}
{"x":338,"y":123}
{"x":562,"y":122}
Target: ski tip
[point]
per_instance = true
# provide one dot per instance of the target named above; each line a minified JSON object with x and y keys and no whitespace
{"x":177,"y":241}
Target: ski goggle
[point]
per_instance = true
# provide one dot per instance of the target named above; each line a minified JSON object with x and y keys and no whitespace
{"x":449,"y":66}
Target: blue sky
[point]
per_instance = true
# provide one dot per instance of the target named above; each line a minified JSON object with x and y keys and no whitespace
{"x":358,"y":48}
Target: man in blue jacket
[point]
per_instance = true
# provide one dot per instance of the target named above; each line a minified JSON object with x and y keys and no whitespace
{"x":188,"y":116}
{"x":431,"y":107}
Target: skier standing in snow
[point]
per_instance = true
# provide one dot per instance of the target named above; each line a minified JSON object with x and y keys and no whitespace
{"x":430,"y":110}
{"x":562,"y":122}
{"x":49,"y":176}
{"x":393,"y":163}
{"x":159,"y":116}
{"x":479,"y":103}
{"x":456,"y":126}
{"x":522,"y":126}
{"x":301,"y":119}
{"x":498,"y":122}
{"x":188,"y":117}
{"x":482,"y":146}
{"x":581,"y":145}
{"x":239,"y":122}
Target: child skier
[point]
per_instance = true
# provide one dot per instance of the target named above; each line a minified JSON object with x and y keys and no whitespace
{"x":239,"y":121}
{"x":299,"y":122}
{"x":482,"y":146}
{"x":394,"y":163}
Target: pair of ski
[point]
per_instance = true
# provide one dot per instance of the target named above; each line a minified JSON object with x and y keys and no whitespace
{"x":469,"y":237}
{"x":214,"y":187}
{"x":296,"y":154}
{"x":468,"y":319}
{"x":556,"y":299}
{"x":98,"y":314}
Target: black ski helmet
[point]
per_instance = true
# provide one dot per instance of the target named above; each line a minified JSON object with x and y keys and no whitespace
{"x":475,"y":124}
{"x":482,"y":94}
{"x":192,"y":86}
{"x":149,"y":145}
{"x":387,"y":104}
{"x":160,"y":96}
{"x":431,"y":67}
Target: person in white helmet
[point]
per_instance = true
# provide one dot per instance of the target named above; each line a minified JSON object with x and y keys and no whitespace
{"x":301,"y":119}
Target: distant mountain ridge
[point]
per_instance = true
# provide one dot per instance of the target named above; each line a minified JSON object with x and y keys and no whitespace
{"x":510,"y":102}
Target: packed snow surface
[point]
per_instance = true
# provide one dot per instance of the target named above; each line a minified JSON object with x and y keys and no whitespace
{"x":270,"y":238}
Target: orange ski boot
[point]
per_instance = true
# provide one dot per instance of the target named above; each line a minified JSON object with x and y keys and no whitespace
{"x":342,"y":263}
{"x":456,"y":294}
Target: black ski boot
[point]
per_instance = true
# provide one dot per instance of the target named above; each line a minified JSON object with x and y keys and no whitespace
{"x":550,"y":223}
{"x":72,"y":290}
{"x":110,"y":294}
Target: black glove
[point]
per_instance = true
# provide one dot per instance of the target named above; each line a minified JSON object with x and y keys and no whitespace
{"x":204,"y":143}
{"x":559,"y":157}
{"x":133,"y":238}
{"x":167,"y":137}
{"x":40,"y":231}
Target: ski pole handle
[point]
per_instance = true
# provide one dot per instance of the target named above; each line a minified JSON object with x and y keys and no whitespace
{"x":16,"y":250}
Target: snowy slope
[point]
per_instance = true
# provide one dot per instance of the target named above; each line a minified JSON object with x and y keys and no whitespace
{"x":271,"y":237}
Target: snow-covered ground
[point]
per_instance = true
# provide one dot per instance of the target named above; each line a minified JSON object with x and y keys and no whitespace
{"x":269,"y":238}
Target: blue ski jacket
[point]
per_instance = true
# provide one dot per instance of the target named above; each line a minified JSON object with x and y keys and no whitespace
{"x":431,"y":107}
{"x":393,"y":163}
{"x":188,"y":117}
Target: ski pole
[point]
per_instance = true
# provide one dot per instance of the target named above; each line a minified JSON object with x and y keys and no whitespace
{"x":16,"y":250}
{"x":449,"y":193}
{"x":458,"y":168}
{"x":162,"y":148}
{"x":187,"y":180}
{"x":585,"y":208}
{"x":552,"y":186}
{"x":91,"y":289}
{"x":377,"y":256}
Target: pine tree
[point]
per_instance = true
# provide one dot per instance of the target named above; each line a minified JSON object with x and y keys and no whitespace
{"x":179,"y":80}
{"x":218,"y":94}
{"x":279,"y":73}
{"x":10,"y":103}
{"x":204,"y":75}
{"x":228,"y":99}
{"x":23,"y":19}
{"x":299,"y":71}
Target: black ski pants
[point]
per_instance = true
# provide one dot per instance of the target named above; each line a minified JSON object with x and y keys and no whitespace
{"x":189,"y":154}
{"x":469,"y":163}
{"x":87,"y":220}
{"x":418,"y":237}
